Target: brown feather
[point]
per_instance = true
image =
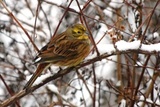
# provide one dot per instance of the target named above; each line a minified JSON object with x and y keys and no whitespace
{"x":66,"y":49}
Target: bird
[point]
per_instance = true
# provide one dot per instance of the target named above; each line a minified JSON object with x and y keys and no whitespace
{"x":68,"y":49}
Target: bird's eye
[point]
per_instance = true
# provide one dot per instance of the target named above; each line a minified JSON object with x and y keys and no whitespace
{"x":78,"y":32}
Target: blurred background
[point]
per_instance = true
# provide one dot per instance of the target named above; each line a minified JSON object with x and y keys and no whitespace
{"x":115,"y":75}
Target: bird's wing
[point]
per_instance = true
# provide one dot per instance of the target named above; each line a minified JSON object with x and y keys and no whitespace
{"x":59,"y":50}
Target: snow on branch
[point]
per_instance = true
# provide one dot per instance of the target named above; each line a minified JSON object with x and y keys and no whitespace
{"x":126,"y":46}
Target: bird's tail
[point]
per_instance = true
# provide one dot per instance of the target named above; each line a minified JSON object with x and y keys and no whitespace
{"x":39,"y":70}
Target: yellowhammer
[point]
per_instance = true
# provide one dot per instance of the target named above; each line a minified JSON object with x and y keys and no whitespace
{"x":66,"y":49}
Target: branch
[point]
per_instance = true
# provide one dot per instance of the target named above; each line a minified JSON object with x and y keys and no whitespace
{"x":61,"y":73}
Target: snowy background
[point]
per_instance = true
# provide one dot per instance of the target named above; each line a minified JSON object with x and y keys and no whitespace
{"x":121,"y":70}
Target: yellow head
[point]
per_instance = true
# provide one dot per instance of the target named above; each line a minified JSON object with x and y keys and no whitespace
{"x":79,"y":31}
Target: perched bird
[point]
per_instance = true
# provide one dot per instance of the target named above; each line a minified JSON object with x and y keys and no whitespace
{"x":66,"y":49}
